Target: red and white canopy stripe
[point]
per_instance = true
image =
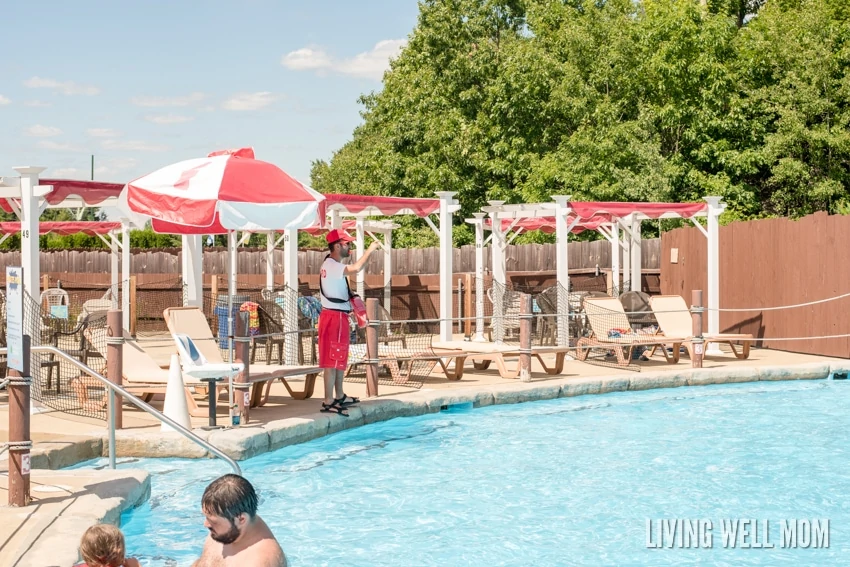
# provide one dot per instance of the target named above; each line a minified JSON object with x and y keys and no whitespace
{"x":615,"y":209}
{"x":228,"y":189}
{"x":370,"y":205}
{"x":547,"y":224}
{"x":64,"y":228}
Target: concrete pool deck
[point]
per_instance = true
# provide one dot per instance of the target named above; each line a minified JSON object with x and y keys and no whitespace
{"x":284,"y":421}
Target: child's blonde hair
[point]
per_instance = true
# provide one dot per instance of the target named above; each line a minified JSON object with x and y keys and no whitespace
{"x":103,"y":546}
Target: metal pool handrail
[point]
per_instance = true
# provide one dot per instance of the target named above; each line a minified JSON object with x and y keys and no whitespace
{"x":135,"y":401}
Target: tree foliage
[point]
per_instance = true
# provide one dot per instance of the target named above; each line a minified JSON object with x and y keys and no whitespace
{"x":519,"y":100}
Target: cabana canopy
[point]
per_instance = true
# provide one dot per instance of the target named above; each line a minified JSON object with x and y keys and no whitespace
{"x":547,"y":224}
{"x":642,"y":211}
{"x":66,"y":193}
{"x":64,"y":228}
{"x":370,"y":206}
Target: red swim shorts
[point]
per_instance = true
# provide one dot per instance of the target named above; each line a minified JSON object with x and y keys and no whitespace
{"x":334,"y":338}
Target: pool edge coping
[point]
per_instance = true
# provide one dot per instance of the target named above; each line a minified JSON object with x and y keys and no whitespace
{"x":242,"y":443}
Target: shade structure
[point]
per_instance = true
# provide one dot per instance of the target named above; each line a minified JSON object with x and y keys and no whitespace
{"x":616,"y":209}
{"x":547,"y":224}
{"x":64,"y":228}
{"x":370,"y":205}
{"x":73,"y":193}
{"x":228,"y":189}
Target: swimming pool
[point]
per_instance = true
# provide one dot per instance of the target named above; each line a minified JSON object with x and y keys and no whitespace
{"x":563,"y":482}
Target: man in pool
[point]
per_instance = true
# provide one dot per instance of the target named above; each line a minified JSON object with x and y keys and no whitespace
{"x":238,"y":536}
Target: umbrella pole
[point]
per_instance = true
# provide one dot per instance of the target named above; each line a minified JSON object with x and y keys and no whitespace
{"x":231,"y":291}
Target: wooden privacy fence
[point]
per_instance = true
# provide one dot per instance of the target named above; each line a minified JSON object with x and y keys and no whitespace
{"x":771,"y":263}
{"x":407,"y":261}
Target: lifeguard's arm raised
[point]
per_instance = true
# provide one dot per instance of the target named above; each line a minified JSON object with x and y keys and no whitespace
{"x":358,"y":265}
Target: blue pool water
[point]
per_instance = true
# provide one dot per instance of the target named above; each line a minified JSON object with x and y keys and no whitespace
{"x":563,"y":482}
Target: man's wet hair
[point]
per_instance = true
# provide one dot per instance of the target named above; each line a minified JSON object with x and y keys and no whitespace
{"x":228,"y":496}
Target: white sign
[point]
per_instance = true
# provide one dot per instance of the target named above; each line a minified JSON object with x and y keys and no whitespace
{"x":697,"y":348}
{"x":25,"y":463}
{"x":15,"y":316}
{"x":247,"y":399}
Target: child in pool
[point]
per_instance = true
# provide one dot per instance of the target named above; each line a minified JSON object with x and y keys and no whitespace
{"x":103,"y":546}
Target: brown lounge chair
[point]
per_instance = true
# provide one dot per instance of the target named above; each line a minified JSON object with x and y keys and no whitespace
{"x":192,"y":322}
{"x":606,"y":314}
{"x":484,"y":353}
{"x":675,"y":319}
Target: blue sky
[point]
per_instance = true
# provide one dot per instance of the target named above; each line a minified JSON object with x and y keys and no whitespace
{"x":143,"y":84}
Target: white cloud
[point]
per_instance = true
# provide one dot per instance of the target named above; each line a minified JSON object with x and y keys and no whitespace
{"x":169,"y":119}
{"x":208,"y":108}
{"x":39,"y":131}
{"x":59,"y":147}
{"x":249,"y":101}
{"x":161,"y":101}
{"x":37,"y":104}
{"x":369,"y":64}
{"x":4,"y":100}
{"x":103,"y":133}
{"x":65,"y":88}
{"x":306,"y":59}
{"x":132,"y":146}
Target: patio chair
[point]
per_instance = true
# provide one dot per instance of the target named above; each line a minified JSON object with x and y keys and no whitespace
{"x":547,"y":323}
{"x":270,"y":334}
{"x":674,"y":319}
{"x":510,"y":304}
{"x":612,"y":331}
{"x":190,"y":321}
{"x":637,"y":307}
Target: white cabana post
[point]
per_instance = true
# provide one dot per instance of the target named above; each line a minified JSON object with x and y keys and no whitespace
{"x":479,"y":276}
{"x":270,"y":245}
{"x":637,"y":257}
{"x":715,"y":209}
{"x":562,"y":234}
{"x":625,"y":224}
{"x":192,"y":269}
{"x":115,"y":261}
{"x":388,"y":269}
{"x":29,"y":214}
{"x":290,"y":281}
{"x":447,"y":205}
{"x":360,"y":242}
{"x":498,"y":263}
{"x":125,"y":275}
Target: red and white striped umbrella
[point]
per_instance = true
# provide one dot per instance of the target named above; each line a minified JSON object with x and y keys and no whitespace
{"x":228,"y":189}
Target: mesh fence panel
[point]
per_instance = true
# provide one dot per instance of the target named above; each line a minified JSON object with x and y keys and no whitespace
{"x":404,"y":351}
{"x":62,"y":323}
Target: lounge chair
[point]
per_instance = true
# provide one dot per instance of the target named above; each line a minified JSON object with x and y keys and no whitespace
{"x":611,"y":331}
{"x":675,"y":319}
{"x":190,"y":321}
{"x":484,"y":353}
{"x":141,"y":375}
{"x":400,"y":361}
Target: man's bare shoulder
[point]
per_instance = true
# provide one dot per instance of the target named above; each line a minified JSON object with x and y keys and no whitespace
{"x":265,"y":553}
